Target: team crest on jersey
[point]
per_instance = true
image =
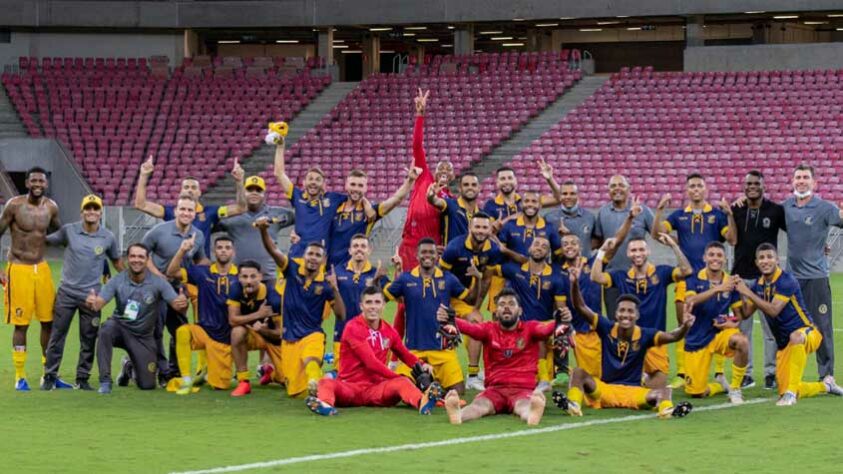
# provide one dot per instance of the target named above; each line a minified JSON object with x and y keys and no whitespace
{"x":201,"y":216}
{"x":98,"y":250}
{"x":586,"y":229}
{"x":636,"y":346}
{"x":326,"y":202}
{"x":519,"y":343}
{"x":823,"y":309}
{"x":483,"y":259}
{"x":711,"y":219}
{"x":385,"y":343}
{"x":148,"y":298}
{"x":507,"y":353}
{"x":809,"y":220}
{"x":317,"y":290}
{"x":151,"y":367}
{"x":765,"y":222}
{"x":369,"y":281}
{"x":441,"y":285}
{"x":545,"y":285}
{"x":95,"y":322}
{"x":654,"y":279}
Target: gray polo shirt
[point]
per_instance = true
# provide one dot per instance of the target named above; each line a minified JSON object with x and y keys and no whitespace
{"x":164,"y":241}
{"x":137,"y":304}
{"x":85,"y":256}
{"x":247,"y":239}
{"x":609,"y":220}
{"x":809,"y":225}
{"x":580,"y":222}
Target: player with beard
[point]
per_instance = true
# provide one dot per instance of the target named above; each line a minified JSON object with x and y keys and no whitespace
{"x":570,"y":218}
{"x":507,"y":202}
{"x":27,"y":277}
{"x":511,"y":355}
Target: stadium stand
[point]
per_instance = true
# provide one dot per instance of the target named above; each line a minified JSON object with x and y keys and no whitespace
{"x":655,"y":126}
{"x":477,"y":102}
{"x":113,"y":112}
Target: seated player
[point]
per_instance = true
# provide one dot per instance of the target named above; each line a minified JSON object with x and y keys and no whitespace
{"x":711,"y":294}
{"x":511,"y":355}
{"x":253,"y":313}
{"x":364,"y":379}
{"x":624,"y":348}
{"x":778,"y":296}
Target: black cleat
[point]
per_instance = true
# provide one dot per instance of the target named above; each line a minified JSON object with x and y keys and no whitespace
{"x":770,"y":382}
{"x":84,"y":385}
{"x":681,"y":410}
{"x":48,"y":383}
{"x":747,"y":382}
{"x":126,"y":372}
{"x":560,"y":400}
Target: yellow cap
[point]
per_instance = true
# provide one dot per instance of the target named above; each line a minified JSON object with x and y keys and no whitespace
{"x":281,"y":128}
{"x":91,"y":199}
{"x":255,"y":181}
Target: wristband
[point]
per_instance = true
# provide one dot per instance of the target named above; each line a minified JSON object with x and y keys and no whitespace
{"x":600,"y":254}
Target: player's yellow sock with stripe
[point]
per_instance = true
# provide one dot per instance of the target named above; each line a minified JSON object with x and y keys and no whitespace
{"x":474,"y":370}
{"x":313,"y":370}
{"x":575,"y":395}
{"x":664,"y":405}
{"x":796,"y":366}
{"x":714,"y":389}
{"x":201,"y":361}
{"x":680,"y":358}
{"x":183,"y":355}
{"x":19,"y":361}
{"x":737,"y":376}
{"x":811,"y":389}
{"x":720,"y":365}
{"x":544,"y":373}
{"x":243,"y":376}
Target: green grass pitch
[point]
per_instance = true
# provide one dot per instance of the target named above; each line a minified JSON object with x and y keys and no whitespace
{"x":151,"y":432}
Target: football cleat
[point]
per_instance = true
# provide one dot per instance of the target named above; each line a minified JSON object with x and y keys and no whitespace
{"x":747,"y":382}
{"x":105,"y":388}
{"x":21,"y":385}
{"x":831,"y":386}
{"x":735,"y":396}
{"x":62,"y":385}
{"x":312,"y":387}
{"x":786,"y":400}
{"x":266,"y":374}
{"x":48,"y":383}
{"x":429,"y":398}
{"x":243,"y":388}
{"x":319,"y":407}
{"x":84,"y":385}
{"x":201,"y":377}
{"x":126,"y":372}
{"x":769,"y":382}
{"x":474,"y":383}
{"x":721,"y":379}
{"x":680,"y":410}
{"x":186,"y":386}
{"x":677,"y":382}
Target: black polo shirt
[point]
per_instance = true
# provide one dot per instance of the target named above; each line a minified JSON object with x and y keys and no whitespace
{"x":755,"y":227}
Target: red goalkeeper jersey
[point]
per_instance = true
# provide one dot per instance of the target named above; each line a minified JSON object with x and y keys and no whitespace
{"x":423,"y":220}
{"x":511,"y":357}
{"x":363,"y":352}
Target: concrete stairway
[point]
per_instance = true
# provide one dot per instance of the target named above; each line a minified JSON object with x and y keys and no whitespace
{"x":10,"y":124}
{"x":537,"y":126}
{"x":263,"y":157}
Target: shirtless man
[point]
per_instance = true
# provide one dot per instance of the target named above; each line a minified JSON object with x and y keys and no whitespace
{"x":27,"y":278}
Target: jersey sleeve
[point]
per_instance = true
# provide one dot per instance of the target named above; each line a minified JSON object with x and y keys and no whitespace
{"x":646,"y":219}
{"x":562,"y":288}
{"x":193,"y":273}
{"x":329,"y":293}
{"x":833,"y":214}
{"x":199,"y":245}
{"x":722,"y":224}
{"x":556,"y":242}
{"x":169,"y":213}
{"x":786,"y":287}
{"x":113,"y":251}
{"x":449,"y":256}
{"x":681,"y":291}
{"x":598,"y":226}
{"x":58,"y":237}
{"x":360,"y":346}
{"x":293,"y":194}
{"x":109,"y":290}
{"x":614,"y":278}
{"x":603,"y":325}
{"x":419,"y":158}
{"x":455,"y":287}
{"x":541,"y":330}
{"x":398,"y":347}
{"x":395,"y":289}
{"x":652,"y":337}
{"x":235,"y":295}
{"x":477,"y":331}
{"x":273,"y":300}
{"x":166,"y":290}
{"x":672,"y":221}
{"x":669,"y":273}
{"x":149,"y":239}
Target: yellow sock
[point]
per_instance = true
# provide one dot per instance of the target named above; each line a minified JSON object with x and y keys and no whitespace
{"x":313,"y":370}
{"x":43,"y":364}
{"x":19,"y":360}
{"x":544,"y":374}
{"x":201,"y":361}
{"x":680,"y":357}
{"x":243,"y":376}
{"x":473,"y":370}
{"x":714,"y":389}
{"x":183,"y":355}
{"x":811,"y":389}
{"x":796,"y":366}
{"x":575,"y":395}
{"x":720,"y":364}
{"x":737,"y":375}
{"x":664,"y":405}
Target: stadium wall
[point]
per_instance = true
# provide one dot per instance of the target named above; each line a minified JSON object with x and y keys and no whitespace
{"x":765,"y":57}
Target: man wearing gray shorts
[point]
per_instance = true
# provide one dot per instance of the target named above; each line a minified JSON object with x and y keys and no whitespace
{"x":138,"y":293}
{"x":87,"y":244}
{"x":808,"y":221}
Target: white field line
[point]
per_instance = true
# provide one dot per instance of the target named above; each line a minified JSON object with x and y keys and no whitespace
{"x":452,"y":441}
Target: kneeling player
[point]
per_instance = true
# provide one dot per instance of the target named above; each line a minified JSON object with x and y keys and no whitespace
{"x":364,"y":379}
{"x":624,"y":347}
{"x":511,"y":356}
{"x":778,"y":296}
{"x":711,"y":294}
{"x":253,"y":310}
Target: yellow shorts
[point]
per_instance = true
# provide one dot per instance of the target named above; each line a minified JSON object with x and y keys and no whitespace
{"x":293,"y":355}
{"x":657,"y":360}
{"x":29,"y":291}
{"x":462,"y":308}
{"x":587,"y":350}
{"x":192,"y":292}
{"x":698,"y":363}
{"x":337,"y":355}
{"x":549,"y":362}
{"x":813,"y":338}
{"x":495,"y":286}
{"x":218,"y":355}
{"x":619,"y":396}
{"x":446,"y":366}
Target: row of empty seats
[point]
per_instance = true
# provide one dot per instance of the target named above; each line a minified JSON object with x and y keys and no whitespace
{"x":656,"y":127}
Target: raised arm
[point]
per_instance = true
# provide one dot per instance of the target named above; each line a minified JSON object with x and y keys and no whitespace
{"x":678,"y":333}
{"x":751,"y":301}
{"x":726,"y":285}
{"x":597,"y":274}
{"x":547,"y":173}
{"x":433,"y":197}
{"x":732,"y":231}
{"x":577,"y":300}
{"x":393,"y":201}
{"x":262,"y":224}
{"x":174,"y":267}
{"x":152,"y":208}
{"x":280,"y":171}
{"x":419,"y":158}
{"x":683,"y":264}
{"x":239,"y":206}
{"x":659,"y":226}
{"x":337,"y":303}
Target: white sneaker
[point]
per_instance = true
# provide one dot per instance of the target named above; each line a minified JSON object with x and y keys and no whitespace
{"x":474,"y":383}
{"x":736,"y":396}
{"x":482,"y":376}
{"x":721,"y":379}
{"x":831,"y":386}
{"x":543,"y":386}
{"x":786,"y":400}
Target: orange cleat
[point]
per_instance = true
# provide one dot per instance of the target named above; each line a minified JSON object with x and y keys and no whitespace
{"x":243,"y":388}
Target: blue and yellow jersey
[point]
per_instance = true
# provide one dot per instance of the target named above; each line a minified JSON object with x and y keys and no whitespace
{"x":303,"y":300}
{"x":592,"y":293}
{"x":537,"y":293}
{"x":207,"y":217}
{"x":518,"y":237}
{"x":784,"y":287}
{"x":349,"y":220}
{"x":455,"y":218}
{"x":650,"y":289}
{"x":351,"y":285}
{"x":314,"y":215}
{"x":696,"y":229}
{"x":250,"y":304}
{"x":214,"y":289}
{"x":460,"y":253}
{"x":498,"y":208}
{"x":422,"y":297}
{"x":722,"y":304}
{"x":623,"y":359}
